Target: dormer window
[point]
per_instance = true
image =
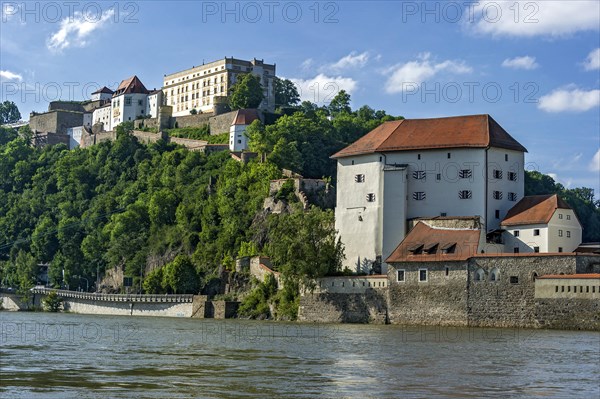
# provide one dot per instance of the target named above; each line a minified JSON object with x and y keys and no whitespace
{"x":416,"y":249}
{"x":448,"y":248}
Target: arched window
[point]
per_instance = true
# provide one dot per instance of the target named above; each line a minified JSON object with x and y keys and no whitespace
{"x":479,"y":275}
{"x":494,"y":274}
{"x":534,"y":275}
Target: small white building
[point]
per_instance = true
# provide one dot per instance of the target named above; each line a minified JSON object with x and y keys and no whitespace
{"x":103,"y":94}
{"x":456,"y":166}
{"x":541,"y":223}
{"x":155,"y":99}
{"x":128,"y":102}
{"x":102,"y":115}
{"x":75,"y":134}
{"x":238,"y":141}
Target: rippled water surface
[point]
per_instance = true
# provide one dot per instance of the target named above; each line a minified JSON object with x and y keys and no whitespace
{"x":78,"y":356}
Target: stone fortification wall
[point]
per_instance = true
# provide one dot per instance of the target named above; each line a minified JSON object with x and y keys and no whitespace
{"x":55,"y":121}
{"x":568,"y":314}
{"x":510,"y":300}
{"x":221,"y":123}
{"x":369,"y":307}
{"x":441,"y":300}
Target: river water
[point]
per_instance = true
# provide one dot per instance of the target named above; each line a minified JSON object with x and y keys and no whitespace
{"x":46,"y":355}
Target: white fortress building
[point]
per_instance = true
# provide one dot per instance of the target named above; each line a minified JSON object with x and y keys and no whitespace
{"x":425,"y":168}
{"x":200,"y":87}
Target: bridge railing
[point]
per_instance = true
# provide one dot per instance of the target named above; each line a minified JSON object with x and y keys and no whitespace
{"x":183,"y":298}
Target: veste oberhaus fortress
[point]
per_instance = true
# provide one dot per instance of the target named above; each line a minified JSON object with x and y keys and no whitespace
{"x":432,"y":212}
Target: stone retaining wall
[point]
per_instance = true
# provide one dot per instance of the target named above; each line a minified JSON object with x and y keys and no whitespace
{"x":369,"y":307}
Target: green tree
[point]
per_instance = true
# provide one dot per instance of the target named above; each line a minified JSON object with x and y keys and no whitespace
{"x":9,"y":112}
{"x":153,"y":283}
{"x":340,"y":103}
{"x":286,"y":93}
{"x":180,"y":277}
{"x":26,"y":268}
{"x":52,"y":302}
{"x":247,"y":92}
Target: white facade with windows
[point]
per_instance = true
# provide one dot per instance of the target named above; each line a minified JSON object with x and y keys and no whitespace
{"x":546,"y":224}
{"x":127,"y":107}
{"x":201,"y":86}
{"x":102,"y":115}
{"x":381,"y":185}
{"x":153,"y":103}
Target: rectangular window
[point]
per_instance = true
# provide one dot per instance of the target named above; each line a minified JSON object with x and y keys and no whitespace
{"x":497,"y":195}
{"x":506,"y":157}
{"x":497,"y":174}
{"x":447,"y":271}
{"x":419,"y":174}
{"x":359,"y":178}
{"x":560,"y":233}
{"x":536,"y":232}
{"x":568,"y":234}
{"x":400,"y":276}
{"x":512,"y":196}
{"x":140,"y":102}
{"x":497,"y":213}
{"x":568,"y":217}
{"x":560,"y":249}
{"x":371,"y":197}
{"x":512,"y":176}
{"x":464,"y":194}
{"x":465,"y":173}
{"x":418,"y":156}
{"x":536,"y":249}
{"x":517,"y":233}
{"x":419,"y":195}
{"x":127,"y":100}
{"x":449,"y":156}
{"x":516,"y":250}
{"x":422,"y":275}
{"x":514,"y":279}
{"x":560,"y":216}
{"x":438,"y":176}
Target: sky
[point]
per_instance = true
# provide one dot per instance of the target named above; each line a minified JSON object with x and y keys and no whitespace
{"x":534,"y":66}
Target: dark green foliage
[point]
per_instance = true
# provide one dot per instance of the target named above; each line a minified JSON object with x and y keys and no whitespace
{"x":52,"y":302}
{"x":304,"y":141}
{"x":286,"y":93}
{"x":580,"y":199}
{"x":123,"y":204}
{"x":256,"y":304}
{"x":9,"y":113}
{"x":247,"y":92}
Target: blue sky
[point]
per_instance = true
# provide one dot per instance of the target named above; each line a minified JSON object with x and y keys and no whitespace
{"x":533,"y":66}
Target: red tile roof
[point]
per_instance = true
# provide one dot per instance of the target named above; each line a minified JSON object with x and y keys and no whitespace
{"x":245,"y":117}
{"x":464,"y":241}
{"x":131,"y":85}
{"x":534,"y":209}
{"x":572,"y":276}
{"x":472,"y":131}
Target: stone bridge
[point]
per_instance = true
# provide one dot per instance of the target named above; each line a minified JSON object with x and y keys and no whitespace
{"x":184,"y":298}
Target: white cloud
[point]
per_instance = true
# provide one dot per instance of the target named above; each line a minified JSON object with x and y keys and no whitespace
{"x":567,"y":182}
{"x":540,"y":18}
{"x":322,"y":88}
{"x":8,"y":75}
{"x":74,"y":30}
{"x":420,"y":70}
{"x":595,"y":163}
{"x":307,"y":64}
{"x":352,"y":60}
{"x":570,"y":99}
{"x":525,"y":62}
{"x":592,"y":61}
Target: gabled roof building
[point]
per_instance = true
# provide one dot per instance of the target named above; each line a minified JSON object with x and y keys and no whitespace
{"x":454,"y":166}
